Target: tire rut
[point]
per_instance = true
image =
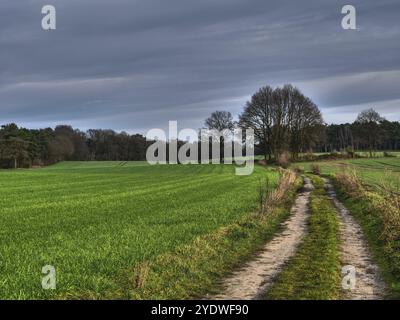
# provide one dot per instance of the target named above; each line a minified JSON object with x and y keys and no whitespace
{"x":354,"y":252}
{"x":252,"y":280}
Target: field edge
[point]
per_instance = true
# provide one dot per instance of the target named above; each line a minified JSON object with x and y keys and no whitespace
{"x":366,"y":208}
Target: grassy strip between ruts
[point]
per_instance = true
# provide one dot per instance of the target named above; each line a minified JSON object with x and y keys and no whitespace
{"x":314,"y":272}
{"x":193,"y":270}
{"x":380,"y":220}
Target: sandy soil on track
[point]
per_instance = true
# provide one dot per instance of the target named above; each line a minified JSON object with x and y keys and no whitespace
{"x":256,"y":276}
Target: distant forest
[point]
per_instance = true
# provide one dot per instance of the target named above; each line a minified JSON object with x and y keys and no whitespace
{"x":285,"y":123}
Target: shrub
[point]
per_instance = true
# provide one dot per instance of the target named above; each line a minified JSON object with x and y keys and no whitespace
{"x":316,"y":169}
{"x":335,"y":154}
{"x":298,"y":169}
{"x":350,"y":152}
{"x":388,"y":155}
{"x":309,"y":157}
{"x":283,"y":160}
{"x":350,"y":181}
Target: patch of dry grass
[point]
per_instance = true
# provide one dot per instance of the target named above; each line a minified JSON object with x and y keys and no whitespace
{"x":270,"y":197}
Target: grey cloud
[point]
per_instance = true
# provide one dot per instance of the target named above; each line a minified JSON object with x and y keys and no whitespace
{"x":134,"y":65}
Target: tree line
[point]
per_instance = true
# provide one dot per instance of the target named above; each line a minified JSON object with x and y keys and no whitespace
{"x":286,"y":124}
{"x":370,"y":132}
{"x":21,"y":147}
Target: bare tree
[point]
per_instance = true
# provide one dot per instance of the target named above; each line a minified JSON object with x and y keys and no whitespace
{"x":306,"y":125}
{"x":283,"y":120}
{"x":221,"y":121}
{"x":257,"y":115}
{"x":281,"y":117}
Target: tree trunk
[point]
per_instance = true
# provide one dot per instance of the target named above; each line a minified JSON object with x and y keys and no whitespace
{"x":266,"y":151}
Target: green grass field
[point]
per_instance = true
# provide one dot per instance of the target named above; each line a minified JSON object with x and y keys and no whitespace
{"x":93,"y":221}
{"x":373,"y":171}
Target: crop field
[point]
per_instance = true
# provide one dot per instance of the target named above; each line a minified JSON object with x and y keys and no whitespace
{"x":374,"y":171}
{"x":93,"y":221}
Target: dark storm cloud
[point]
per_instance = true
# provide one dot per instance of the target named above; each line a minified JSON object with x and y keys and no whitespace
{"x":134,"y":65}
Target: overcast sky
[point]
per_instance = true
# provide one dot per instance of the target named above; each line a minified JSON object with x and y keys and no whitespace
{"x":135,"y":64}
